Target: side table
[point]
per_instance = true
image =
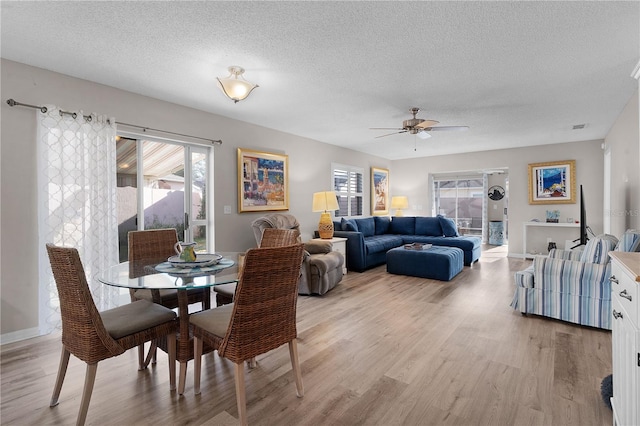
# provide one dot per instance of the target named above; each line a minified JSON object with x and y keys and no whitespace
{"x":338,"y":244}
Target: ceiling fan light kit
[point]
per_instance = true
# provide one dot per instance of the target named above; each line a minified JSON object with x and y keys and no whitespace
{"x":418,"y":126}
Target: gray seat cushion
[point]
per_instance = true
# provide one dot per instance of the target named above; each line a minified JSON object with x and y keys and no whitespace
{"x":216,"y":320}
{"x":134,"y":317}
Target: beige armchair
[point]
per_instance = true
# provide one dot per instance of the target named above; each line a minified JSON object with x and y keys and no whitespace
{"x":321,"y":269}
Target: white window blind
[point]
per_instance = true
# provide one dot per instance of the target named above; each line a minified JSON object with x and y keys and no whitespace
{"x":348,"y":183}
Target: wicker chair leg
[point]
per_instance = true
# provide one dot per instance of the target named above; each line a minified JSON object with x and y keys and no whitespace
{"x":89,"y":380}
{"x":183,"y":377}
{"x":197,"y":364}
{"x":141,"y":364}
{"x":241,"y":398}
{"x":62,"y":371}
{"x":171,"y":349}
{"x":251,"y":363}
{"x":295,"y":364}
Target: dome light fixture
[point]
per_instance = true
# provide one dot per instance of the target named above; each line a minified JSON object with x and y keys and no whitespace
{"x":235,"y":87}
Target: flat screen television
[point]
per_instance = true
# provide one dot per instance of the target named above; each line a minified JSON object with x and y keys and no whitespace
{"x":584,"y":229}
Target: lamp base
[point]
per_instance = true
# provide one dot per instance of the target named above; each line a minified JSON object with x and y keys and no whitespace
{"x":325,"y":227}
{"x":399,"y":213}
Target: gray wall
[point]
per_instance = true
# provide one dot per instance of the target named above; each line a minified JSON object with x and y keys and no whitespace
{"x":309,"y":171}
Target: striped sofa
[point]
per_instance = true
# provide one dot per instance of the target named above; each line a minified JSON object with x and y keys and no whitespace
{"x":573,"y":285}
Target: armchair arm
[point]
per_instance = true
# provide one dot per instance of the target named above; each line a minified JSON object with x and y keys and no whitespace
{"x":572,"y":277}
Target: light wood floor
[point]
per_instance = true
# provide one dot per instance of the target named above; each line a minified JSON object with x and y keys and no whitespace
{"x":378,"y":349}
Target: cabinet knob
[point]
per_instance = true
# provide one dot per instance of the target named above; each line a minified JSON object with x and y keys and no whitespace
{"x":626,"y":295}
{"x":617,"y":314}
{"x":613,"y":279}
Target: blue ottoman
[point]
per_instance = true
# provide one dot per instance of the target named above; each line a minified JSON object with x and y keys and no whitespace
{"x":439,"y":263}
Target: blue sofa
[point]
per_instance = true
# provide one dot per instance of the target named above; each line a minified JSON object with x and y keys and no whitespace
{"x":369,"y":239}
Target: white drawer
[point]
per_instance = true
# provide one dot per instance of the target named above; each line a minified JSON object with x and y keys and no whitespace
{"x":625,"y":290}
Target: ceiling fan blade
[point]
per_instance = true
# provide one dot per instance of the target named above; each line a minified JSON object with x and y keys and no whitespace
{"x":386,"y":128}
{"x":427,"y":123}
{"x":389,"y":134}
{"x":449,"y":128}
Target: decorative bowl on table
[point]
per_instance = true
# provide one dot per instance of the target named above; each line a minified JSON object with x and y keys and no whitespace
{"x":202,"y":259}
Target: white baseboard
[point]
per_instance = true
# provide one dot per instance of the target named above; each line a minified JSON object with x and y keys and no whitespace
{"x":16,"y":336}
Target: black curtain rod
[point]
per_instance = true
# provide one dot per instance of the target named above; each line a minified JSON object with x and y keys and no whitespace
{"x":43,"y":109}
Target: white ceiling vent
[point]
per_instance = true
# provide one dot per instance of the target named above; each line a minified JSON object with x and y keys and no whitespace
{"x":579,"y":126}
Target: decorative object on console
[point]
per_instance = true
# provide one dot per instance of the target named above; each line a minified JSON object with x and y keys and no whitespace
{"x":552,"y":182}
{"x":235,"y":87}
{"x":323,"y":202}
{"x":399,"y":203}
{"x":553,"y":216}
{"x":263,"y":181}
{"x":379,"y":191}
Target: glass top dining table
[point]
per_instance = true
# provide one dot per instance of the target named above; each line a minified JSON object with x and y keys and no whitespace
{"x":164,"y":276}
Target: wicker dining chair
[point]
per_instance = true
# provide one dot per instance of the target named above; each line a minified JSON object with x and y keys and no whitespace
{"x":93,"y":336}
{"x":262,"y":317}
{"x":271,"y":237}
{"x":148,"y":247}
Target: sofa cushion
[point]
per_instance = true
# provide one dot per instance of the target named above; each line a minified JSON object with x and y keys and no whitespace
{"x":366,"y":226}
{"x":429,"y":226}
{"x":403,"y":225}
{"x":383,"y":223}
{"x":449,"y":228}
{"x":348,"y":225}
{"x":381,"y":243}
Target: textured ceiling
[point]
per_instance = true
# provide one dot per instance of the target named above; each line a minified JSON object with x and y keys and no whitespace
{"x":517,"y":73}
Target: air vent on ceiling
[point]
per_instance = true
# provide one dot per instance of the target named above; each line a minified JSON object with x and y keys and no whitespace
{"x":579,"y":126}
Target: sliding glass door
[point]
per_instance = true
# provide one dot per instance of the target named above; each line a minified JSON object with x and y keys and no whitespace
{"x":461,"y":200}
{"x":163,"y":185}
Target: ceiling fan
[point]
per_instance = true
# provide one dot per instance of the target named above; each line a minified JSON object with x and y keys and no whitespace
{"x":418,"y":126}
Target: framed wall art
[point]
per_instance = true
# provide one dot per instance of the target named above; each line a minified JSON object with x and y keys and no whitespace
{"x":552,"y":182}
{"x":379,"y":191}
{"x":263,"y":181}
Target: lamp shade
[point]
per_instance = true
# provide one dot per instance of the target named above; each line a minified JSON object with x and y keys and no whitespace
{"x":399,"y":203}
{"x":325,"y":201}
{"x":235,"y":87}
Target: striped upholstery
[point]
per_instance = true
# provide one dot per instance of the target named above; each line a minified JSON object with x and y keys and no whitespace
{"x":597,"y":250}
{"x":567,"y":254}
{"x":630,"y":241}
{"x":561,"y":287}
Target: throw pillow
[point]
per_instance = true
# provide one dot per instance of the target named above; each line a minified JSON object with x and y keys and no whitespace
{"x":448,"y":226}
{"x":366,"y":226}
{"x":382,"y":224}
{"x":348,"y":225}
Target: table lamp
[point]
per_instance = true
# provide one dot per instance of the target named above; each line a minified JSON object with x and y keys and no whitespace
{"x":399,"y":203}
{"x":323,"y":202}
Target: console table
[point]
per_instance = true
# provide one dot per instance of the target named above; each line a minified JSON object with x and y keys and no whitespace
{"x":527,"y":225}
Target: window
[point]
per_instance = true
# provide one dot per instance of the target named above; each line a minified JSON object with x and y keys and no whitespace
{"x":347,"y":183}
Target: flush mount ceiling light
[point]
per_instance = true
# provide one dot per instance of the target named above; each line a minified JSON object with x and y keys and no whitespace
{"x":235,"y":87}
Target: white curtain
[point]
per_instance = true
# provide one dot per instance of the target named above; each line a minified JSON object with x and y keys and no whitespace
{"x":76,"y":202}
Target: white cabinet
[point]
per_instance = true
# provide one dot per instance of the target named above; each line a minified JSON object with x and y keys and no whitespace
{"x":625,"y":338}
{"x":340,"y":245}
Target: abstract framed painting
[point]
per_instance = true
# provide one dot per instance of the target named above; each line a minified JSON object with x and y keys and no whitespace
{"x":263,"y":181}
{"x":552,"y":182}
{"x":379,"y":192}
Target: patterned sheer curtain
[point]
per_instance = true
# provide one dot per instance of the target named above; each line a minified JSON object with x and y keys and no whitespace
{"x":76,"y":201}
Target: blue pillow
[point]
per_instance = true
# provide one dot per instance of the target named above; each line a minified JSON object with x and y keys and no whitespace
{"x":382,"y":224}
{"x":428,"y":226}
{"x":348,"y":225}
{"x":448,"y":226}
{"x":366,"y":226}
{"x":404,"y":225}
